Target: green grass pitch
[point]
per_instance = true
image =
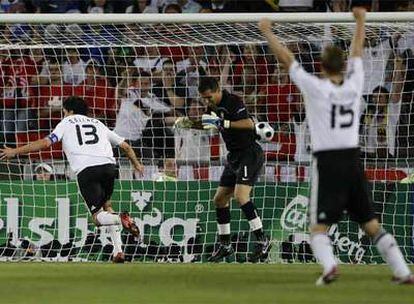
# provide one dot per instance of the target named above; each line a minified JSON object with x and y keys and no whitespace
{"x":194,"y":283}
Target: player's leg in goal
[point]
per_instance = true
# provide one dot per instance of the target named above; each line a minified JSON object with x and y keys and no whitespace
{"x":251,"y":163}
{"x":110,"y":221}
{"x":263,"y":245}
{"x":96,"y":186}
{"x":222,"y":203}
{"x":390,"y":252}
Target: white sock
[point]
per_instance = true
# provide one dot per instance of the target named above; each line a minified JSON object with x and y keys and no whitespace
{"x":322,"y":251}
{"x":255,"y":224}
{"x":105,"y":218}
{"x":223,"y":228}
{"x":115,"y":233}
{"x":390,"y":252}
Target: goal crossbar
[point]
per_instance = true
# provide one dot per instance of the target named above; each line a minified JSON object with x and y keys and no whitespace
{"x":202,"y":18}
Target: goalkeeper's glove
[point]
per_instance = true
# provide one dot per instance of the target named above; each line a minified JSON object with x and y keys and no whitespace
{"x":212,"y":121}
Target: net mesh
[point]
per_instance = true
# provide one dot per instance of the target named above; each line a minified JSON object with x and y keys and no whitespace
{"x":138,"y":79}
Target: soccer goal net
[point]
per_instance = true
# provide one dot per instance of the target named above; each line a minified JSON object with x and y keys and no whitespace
{"x":138,"y":74}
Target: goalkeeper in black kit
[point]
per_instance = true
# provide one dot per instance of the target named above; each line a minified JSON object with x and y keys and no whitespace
{"x":245,"y":159}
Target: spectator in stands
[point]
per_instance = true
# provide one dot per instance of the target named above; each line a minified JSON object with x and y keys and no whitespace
{"x":17,"y":70}
{"x":375,"y":61}
{"x":193,"y":144}
{"x":44,"y":172}
{"x":145,"y":121}
{"x":307,"y":55}
{"x":132,"y":119}
{"x":150,"y":60}
{"x":7,"y":113}
{"x":172,"y":8}
{"x":158,"y":135}
{"x":279,"y":98}
{"x":39,"y":61}
{"x":252,"y":57}
{"x":137,"y":108}
{"x":406,"y":123}
{"x":339,"y":5}
{"x":58,"y":6}
{"x":73,"y":68}
{"x":98,"y":94}
{"x":117,"y":61}
{"x":51,"y":95}
{"x":100,"y":7}
{"x":140,"y":6}
{"x":248,"y":91}
{"x":405,"y":42}
{"x":230,"y":6}
{"x":17,"y":7}
{"x":295,"y":5}
{"x":404,"y":5}
{"x":221,"y":67}
{"x":189,"y":6}
{"x":302,"y":134}
{"x":168,"y":91}
{"x":379,"y":128}
{"x":191,"y":68}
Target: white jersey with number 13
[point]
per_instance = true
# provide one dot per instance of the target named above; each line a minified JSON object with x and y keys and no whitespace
{"x":86,"y":141}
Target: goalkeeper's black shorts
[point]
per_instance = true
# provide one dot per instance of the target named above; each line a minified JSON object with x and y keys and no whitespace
{"x":243,"y":167}
{"x":339,"y":186}
{"x":96,"y":185}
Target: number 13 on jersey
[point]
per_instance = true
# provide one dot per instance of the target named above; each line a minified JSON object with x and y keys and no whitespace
{"x":86,"y":134}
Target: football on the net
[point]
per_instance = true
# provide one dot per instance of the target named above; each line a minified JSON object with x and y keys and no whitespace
{"x":265,"y":131}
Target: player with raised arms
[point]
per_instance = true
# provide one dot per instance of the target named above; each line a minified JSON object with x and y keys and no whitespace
{"x":87,"y":144}
{"x":332,"y":106}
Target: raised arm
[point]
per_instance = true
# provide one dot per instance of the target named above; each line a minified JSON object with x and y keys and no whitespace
{"x":357,"y":48}
{"x":282,"y":53}
{"x":8,"y":153}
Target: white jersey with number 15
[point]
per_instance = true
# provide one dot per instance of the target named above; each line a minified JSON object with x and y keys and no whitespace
{"x":86,"y":141}
{"x":333,"y":111}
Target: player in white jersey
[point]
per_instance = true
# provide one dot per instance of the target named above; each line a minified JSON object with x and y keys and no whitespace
{"x":338,"y":183}
{"x":87,"y":144}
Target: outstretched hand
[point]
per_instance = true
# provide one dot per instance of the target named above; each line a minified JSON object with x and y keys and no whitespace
{"x":359,"y":13}
{"x":7,"y":153}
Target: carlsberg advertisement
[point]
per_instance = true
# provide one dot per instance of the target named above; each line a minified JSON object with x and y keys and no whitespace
{"x":49,"y":220}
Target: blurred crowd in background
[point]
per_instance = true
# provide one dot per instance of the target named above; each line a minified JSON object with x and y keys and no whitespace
{"x":196,"y":6}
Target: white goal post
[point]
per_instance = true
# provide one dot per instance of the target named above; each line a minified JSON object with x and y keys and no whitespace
{"x":140,"y":72}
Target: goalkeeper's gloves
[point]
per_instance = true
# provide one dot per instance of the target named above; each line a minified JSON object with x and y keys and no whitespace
{"x":212,"y":121}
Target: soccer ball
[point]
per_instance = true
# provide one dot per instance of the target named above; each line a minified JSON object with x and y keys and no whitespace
{"x":264,"y":131}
